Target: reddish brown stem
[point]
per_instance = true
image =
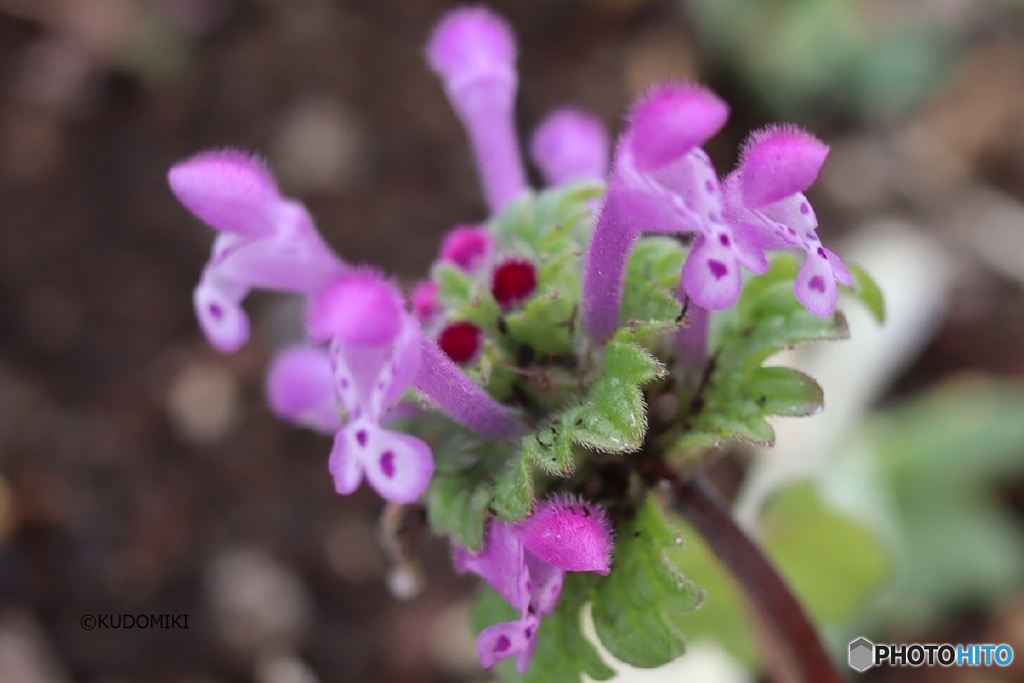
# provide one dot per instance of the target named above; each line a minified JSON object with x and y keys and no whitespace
{"x":773,"y":602}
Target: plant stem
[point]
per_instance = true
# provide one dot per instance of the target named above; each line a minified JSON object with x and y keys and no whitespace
{"x":783,"y":617}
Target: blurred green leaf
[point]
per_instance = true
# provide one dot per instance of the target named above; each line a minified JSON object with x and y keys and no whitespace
{"x":940,"y":458}
{"x":833,"y":564}
{"x":867,"y":291}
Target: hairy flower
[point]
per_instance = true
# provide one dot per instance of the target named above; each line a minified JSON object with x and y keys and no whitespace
{"x":474,"y":53}
{"x":526,"y":562}
{"x":467,"y":246}
{"x":264,"y":240}
{"x":765,"y":192}
{"x":375,"y":350}
{"x":568,"y":145}
{"x":300,"y":389}
{"x":424,"y":301}
{"x":663,"y":182}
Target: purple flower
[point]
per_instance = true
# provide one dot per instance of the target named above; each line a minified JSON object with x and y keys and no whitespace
{"x":474,"y":53}
{"x":424,"y":301}
{"x":468,"y":247}
{"x":568,"y":145}
{"x":300,"y":388}
{"x":448,"y":387}
{"x":264,"y":240}
{"x":375,"y":350}
{"x":663,"y":182}
{"x":765,"y":192}
{"x":526,"y":562}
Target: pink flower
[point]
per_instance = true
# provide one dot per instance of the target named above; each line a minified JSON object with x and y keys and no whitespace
{"x":526,"y":562}
{"x":375,"y":350}
{"x":765,"y":193}
{"x":264,"y":240}
{"x":568,"y":145}
{"x":474,"y":53}
{"x":300,"y":389}
{"x":663,"y":182}
{"x":467,"y":246}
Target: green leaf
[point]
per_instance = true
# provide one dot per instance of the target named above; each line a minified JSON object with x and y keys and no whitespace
{"x":833,"y":564}
{"x":833,"y":561}
{"x":868,"y":292}
{"x":563,"y":653}
{"x":455,"y":286}
{"x":513,"y":491}
{"x":652,"y":276}
{"x":938,"y":458}
{"x":784,"y":391}
{"x":458,"y":502}
{"x":634,"y":607}
{"x":457,"y":506}
{"x":736,"y":394}
{"x":549,"y":223}
{"x":546,"y":321}
{"x":550,"y":447}
{"x":611,"y":419}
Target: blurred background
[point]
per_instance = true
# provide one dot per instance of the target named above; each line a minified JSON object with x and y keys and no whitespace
{"x":141,"y":472}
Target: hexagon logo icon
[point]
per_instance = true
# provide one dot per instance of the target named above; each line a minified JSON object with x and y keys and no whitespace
{"x":862,"y":655}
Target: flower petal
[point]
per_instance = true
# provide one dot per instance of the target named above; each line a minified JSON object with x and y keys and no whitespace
{"x":300,"y":389}
{"x":506,"y":640}
{"x":344,"y":463}
{"x":748,"y":248}
{"x":293,"y":259}
{"x":571,"y":534}
{"x":228,"y":189}
{"x":779,"y":161}
{"x":220,"y":316}
{"x":397,"y":465}
{"x":360,"y":308}
{"x":471,"y":42}
{"x":839,"y":269}
{"x":671,"y":120}
{"x":474,"y":53}
{"x":545,"y":584}
{"x":424,"y":299}
{"x":690,"y":185}
{"x":815,"y":286}
{"x":398,"y":374}
{"x":711,"y":276}
{"x":467,"y":246}
{"x":501,"y":563}
{"x":568,"y":145}
{"x":792,"y":218}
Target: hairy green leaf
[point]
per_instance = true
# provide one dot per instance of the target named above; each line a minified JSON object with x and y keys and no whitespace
{"x":868,"y":292}
{"x":459,"y":501}
{"x":634,"y":606}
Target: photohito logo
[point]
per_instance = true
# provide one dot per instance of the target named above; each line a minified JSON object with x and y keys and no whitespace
{"x":864,"y":654}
